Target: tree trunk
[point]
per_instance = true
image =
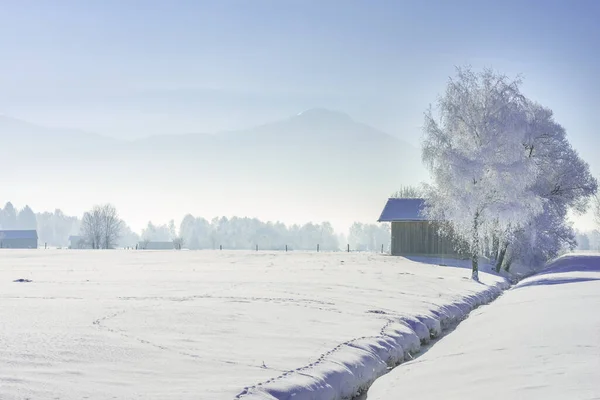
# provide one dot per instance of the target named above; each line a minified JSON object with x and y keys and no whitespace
{"x":475,"y":249}
{"x":495,"y":246}
{"x":475,"y":267}
{"x":486,"y":247}
{"x":501,"y":256}
{"x":508,"y":264}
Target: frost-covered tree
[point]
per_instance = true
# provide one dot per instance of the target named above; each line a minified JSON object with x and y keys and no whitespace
{"x":128,"y":238}
{"x":595,"y":240}
{"x":112,"y":226}
{"x":583,"y":241}
{"x":473,"y":147}
{"x":369,"y":237}
{"x":101,"y":227}
{"x":172,"y":230}
{"x":11,"y":218}
{"x":26,"y":219}
{"x":54,"y":228}
{"x":408,"y":192}
{"x":91,"y":228}
{"x":545,"y":237}
{"x":196,"y":232}
{"x":166,"y":233}
{"x":156,"y":233}
{"x":8,"y":217}
{"x":176,"y":237}
{"x":596,"y":207}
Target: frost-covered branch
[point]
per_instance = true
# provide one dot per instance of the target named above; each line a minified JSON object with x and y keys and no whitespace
{"x":408,"y":192}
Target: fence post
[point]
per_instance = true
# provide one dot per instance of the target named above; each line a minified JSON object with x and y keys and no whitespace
{"x":381,"y":249}
{"x":220,"y":247}
{"x":317,"y":248}
{"x":348,"y":248}
{"x":286,"y":248}
{"x":256,"y":247}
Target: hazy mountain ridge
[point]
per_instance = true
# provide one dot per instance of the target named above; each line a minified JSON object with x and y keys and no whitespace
{"x":14,"y":128}
{"x":320,"y":125}
{"x":319,"y":162}
{"x":316,"y":123}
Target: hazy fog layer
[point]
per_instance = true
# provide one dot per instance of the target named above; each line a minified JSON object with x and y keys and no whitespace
{"x":158,"y":81}
{"x":317,"y":166}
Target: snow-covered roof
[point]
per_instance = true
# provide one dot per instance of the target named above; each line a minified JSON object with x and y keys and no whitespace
{"x":403,"y":210}
{"x":18,"y":234}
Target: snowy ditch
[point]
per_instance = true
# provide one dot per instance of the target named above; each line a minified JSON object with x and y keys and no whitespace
{"x":348,"y":370}
{"x":539,"y":340}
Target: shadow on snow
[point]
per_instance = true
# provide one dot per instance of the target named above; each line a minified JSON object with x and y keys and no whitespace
{"x":559,"y":281}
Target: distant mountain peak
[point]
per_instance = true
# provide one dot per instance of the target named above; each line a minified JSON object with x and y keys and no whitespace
{"x":319,"y":113}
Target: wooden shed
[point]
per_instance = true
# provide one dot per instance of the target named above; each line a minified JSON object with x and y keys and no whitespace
{"x":156,"y":245}
{"x":412,"y":233}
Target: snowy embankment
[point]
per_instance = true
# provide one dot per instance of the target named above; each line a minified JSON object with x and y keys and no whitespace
{"x":541,"y":340}
{"x":203,"y":325}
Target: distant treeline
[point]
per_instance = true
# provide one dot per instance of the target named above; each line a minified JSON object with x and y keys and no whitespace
{"x":588,"y":240}
{"x":198,"y":233}
{"x":246,"y":233}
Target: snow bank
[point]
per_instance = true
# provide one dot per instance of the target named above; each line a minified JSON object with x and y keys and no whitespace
{"x":352,"y":367}
{"x":538,"y":341}
{"x":203,"y":325}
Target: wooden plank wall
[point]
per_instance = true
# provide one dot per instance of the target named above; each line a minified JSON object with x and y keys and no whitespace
{"x":420,"y":238}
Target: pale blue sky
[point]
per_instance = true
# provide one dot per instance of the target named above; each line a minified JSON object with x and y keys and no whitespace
{"x":134,"y":68}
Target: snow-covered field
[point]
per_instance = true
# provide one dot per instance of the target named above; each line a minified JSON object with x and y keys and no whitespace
{"x":540,"y":340}
{"x":216,"y":325}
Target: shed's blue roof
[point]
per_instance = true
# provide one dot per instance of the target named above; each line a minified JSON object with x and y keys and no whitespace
{"x":403,"y":210}
{"x":18,"y":235}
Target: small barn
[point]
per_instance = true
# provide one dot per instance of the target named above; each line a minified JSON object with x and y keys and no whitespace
{"x":412,"y":233}
{"x":78,"y":242}
{"x":18,"y":239}
{"x":150,"y":245}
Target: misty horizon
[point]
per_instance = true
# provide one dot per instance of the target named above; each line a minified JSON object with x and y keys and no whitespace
{"x":315,"y":116}
{"x":198,"y":131}
{"x":312,"y":135}
{"x":159,"y":82}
